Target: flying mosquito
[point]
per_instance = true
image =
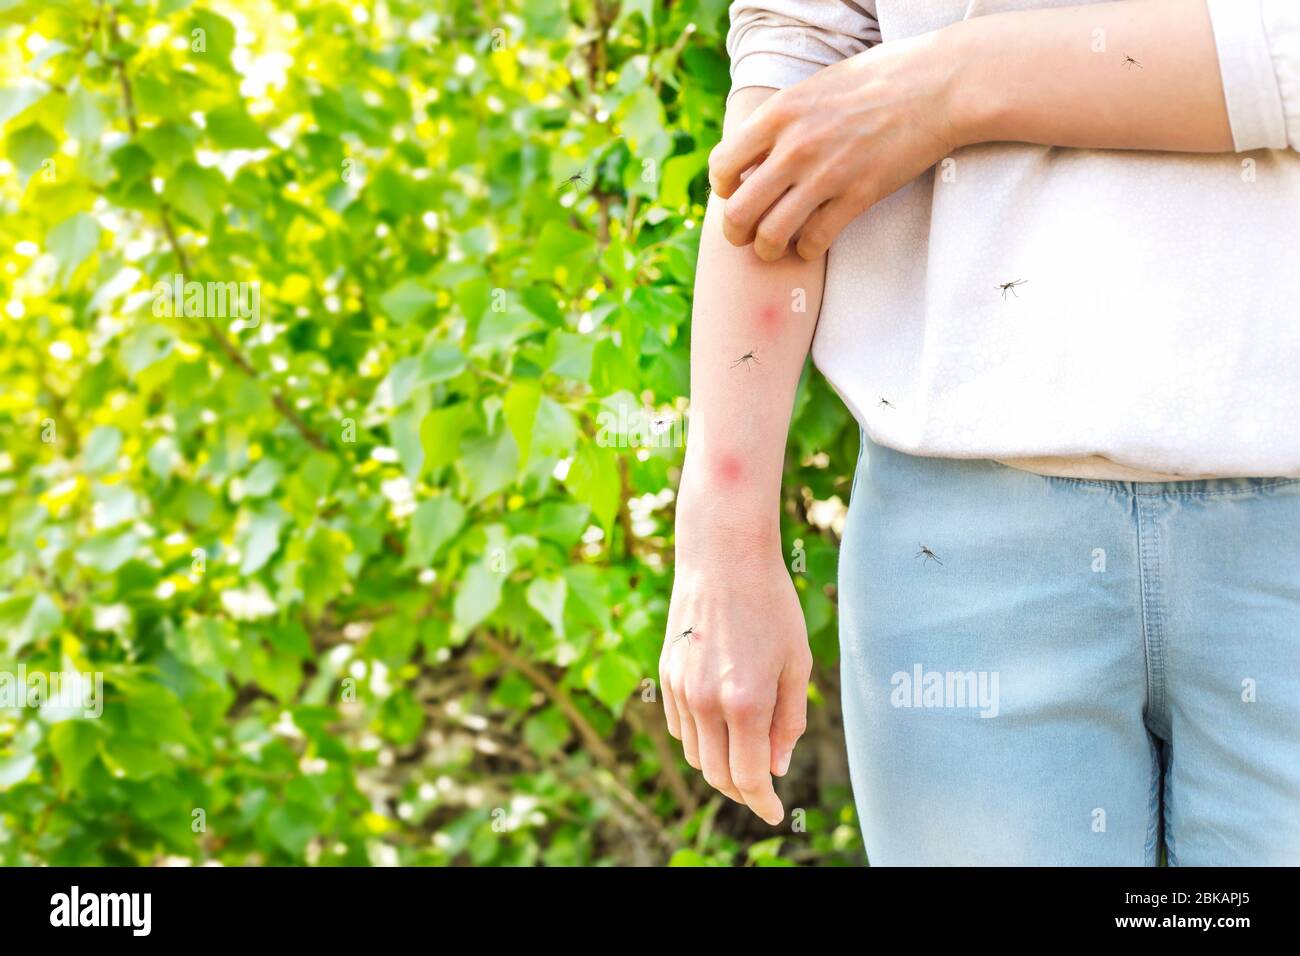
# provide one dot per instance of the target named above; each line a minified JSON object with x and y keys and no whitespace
{"x":578,"y":178}
{"x":1006,"y":287}
{"x":927,"y":554}
{"x":745,"y":359}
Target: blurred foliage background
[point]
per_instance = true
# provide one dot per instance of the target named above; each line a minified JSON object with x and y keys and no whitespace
{"x":379,"y":574}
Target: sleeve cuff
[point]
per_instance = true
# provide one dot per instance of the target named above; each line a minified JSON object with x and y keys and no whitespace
{"x":1282,"y":24}
{"x":1250,"y":86}
{"x":770,"y":70}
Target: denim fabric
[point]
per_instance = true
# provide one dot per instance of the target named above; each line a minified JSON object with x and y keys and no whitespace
{"x":1061,"y":671}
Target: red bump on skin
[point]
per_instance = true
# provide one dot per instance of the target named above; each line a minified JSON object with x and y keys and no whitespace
{"x":728,"y":468}
{"x":768,"y":316}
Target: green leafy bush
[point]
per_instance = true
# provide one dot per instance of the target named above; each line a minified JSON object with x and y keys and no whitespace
{"x":344,"y":360}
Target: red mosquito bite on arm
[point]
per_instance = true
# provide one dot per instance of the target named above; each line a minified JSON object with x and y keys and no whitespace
{"x":728,"y":468}
{"x":769,"y":318}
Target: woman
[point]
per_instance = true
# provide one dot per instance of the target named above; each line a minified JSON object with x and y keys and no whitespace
{"x":1063,"y":303}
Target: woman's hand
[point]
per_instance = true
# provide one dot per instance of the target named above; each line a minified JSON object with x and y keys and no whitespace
{"x":854,"y":132}
{"x":735,"y":666}
{"x":834,"y":145}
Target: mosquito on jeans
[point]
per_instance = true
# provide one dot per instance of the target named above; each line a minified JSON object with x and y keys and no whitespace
{"x":927,"y":553}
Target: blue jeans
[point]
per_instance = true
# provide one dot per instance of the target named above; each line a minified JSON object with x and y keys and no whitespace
{"x":1058,"y":671}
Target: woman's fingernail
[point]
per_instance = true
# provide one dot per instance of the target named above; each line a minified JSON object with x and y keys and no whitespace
{"x":783,"y":764}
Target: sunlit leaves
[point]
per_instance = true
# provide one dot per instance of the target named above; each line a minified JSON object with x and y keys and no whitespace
{"x":293,"y":547}
{"x":71,"y":242}
{"x":434,"y":523}
{"x":593,"y":479}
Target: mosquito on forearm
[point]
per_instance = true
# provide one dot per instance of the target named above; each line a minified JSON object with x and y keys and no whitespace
{"x":750,"y":356}
{"x":1129,"y":62}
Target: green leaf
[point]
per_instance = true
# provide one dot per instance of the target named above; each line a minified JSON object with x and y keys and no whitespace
{"x":440,"y":433}
{"x":261,"y":539}
{"x":613,"y":678}
{"x":85,"y":119}
{"x":555,"y":431}
{"x":103,"y":446}
{"x":231,"y":128}
{"x":218,"y":37}
{"x":520,"y":409}
{"x":679,"y":173}
{"x":404,"y":433}
{"x":558,"y":245}
{"x":642,"y":117}
{"x":292,"y":828}
{"x":133,"y":758}
{"x":196,"y":192}
{"x":16,"y":99}
{"x":478,"y":595}
{"x":323,"y":574}
{"x":490,"y":464}
{"x":29,"y":147}
{"x":14,"y":770}
{"x":441,"y":363}
{"x":108,"y":552}
{"x":407,"y":301}
{"x":546,"y":597}
{"x":26,"y":619}
{"x":593,"y":479}
{"x":435,"y":522}
{"x":547,"y":732}
{"x":75,"y":745}
{"x":71,"y":242}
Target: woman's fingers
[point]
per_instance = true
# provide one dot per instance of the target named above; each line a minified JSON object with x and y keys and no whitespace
{"x":828,"y":222}
{"x":749,"y":717}
{"x":790,"y":716}
{"x":690,"y":739}
{"x":762,"y":188}
{"x":670,"y":702}
{"x":776,"y":230}
{"x":741,"y":149}
{"x":714,"y":761}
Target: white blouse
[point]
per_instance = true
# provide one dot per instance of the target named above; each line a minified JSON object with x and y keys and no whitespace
{"x":1154,"y":327}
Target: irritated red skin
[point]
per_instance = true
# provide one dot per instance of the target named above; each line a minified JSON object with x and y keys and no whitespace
{"x":728,"y":468}
{"x":768,"y":317}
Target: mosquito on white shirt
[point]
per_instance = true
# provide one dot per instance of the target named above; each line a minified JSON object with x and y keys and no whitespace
{"x":1006,"y":287}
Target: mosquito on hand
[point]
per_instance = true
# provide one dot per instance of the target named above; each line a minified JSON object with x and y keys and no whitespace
{"x":689,"y":634}
{"x":886,"y":403}
{"x":927,"y":554}
{"x":745,"y":359}
{"x":1006,"y":287}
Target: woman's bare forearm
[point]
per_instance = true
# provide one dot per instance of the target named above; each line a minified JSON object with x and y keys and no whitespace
{"x":1137,"y":74}
{"x":751,"y":328}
